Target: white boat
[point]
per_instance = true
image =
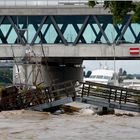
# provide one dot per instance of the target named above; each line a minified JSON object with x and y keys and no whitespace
{"x":104,"y":76}
{"x":131,"y":83}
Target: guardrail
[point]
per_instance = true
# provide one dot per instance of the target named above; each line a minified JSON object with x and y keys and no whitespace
{"x":111,"y":93}
{"x":40,"y":3}
{"x":111,"y":96}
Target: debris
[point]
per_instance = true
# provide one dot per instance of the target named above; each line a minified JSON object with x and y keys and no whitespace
{"x":86,"y":112}
{"x":39,"y":98}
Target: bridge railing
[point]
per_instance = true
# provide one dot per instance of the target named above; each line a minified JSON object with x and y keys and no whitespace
{"x":40,"y":3}
{"x":111,"y":93}
{"x":18,"y":97}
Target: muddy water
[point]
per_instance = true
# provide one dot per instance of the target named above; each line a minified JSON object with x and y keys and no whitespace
{"x":27,"y":125}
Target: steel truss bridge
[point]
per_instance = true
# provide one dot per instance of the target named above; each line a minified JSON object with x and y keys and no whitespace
{"x":75,"y":24}
{"x":62,"y":23}
{"x":67,"y":30}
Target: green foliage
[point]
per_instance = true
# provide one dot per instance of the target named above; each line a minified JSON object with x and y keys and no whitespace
{"x":6,"y":76}
{"x":136,"y":16}
{"x":119,"y":9}
{"x":91,"y":3}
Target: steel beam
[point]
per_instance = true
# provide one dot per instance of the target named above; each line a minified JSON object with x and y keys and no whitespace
{"x":131,"y":29}
{"x":138,"y":38}
{"x":46,"y":30}
{"x":16,"y":29}
{"x":81,"y":30}
{"x":39,"y":29}
{"x":57,"y":40}
{"x":24,"y":28}
{"x":10,"y":29}
{"x":77,"y":30}
{"x":44,"y":34}
{"x":100,"y":34}
{"x":118,"y":32}
{"x":93,"y":29}
{"x":3,"y":39}
{"x":1,"y":19}
{"x":124,"y":29}
{"x":58,"y":30}
{"x":40,"y":35}
{"x":101,"y":29}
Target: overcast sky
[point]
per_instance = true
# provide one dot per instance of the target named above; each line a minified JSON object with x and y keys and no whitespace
{"x":131,"y":66}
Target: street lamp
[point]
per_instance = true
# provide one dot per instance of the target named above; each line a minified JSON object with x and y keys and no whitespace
{"x":114,"y":60}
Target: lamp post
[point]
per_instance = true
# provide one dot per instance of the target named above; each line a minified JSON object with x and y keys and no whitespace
{"x":114,"y":64}
{"x":114,"y":60}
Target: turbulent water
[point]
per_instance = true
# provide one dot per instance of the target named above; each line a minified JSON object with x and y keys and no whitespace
{"x":28,"y":125}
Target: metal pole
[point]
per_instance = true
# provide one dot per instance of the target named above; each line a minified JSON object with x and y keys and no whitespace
{"x":114,"y":64}
{"x":114,"y":51}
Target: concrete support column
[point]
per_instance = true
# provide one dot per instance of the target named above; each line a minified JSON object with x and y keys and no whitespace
{"x":28,"y":74}
{"x":73,"y":73}
{"x":55,"y":74}
{"x":34,"y":74}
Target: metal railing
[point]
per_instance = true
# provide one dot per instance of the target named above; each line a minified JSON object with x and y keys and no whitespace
{"x":40,"y":3}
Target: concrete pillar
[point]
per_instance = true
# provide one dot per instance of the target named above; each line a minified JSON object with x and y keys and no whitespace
{"x":56,"y":74}
{"x":73,"y":73}
{"x":34,"y":74}
{"x":28,"y":74}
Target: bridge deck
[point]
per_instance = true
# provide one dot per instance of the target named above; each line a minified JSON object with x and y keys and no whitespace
{"x":111,"y":96}
{"x":104,"y":103}
{"x":84,"y":51}
{"x":65,"y":92}
{"x":52,"y":10}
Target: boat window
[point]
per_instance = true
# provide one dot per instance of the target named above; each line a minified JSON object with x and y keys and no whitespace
{"x":93,"y":76}
{"x":106,"y":77}
{"x":136,"y":82}
{"x":99,"y":77}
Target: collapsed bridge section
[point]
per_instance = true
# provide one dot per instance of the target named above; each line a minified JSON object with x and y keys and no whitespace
{"x":43,"y":98}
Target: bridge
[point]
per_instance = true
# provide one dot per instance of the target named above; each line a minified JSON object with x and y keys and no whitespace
{"x":53,"y":37}
{"x":96,"y":94}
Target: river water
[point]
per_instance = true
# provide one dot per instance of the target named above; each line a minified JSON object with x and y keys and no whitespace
{"x":29,"y":125}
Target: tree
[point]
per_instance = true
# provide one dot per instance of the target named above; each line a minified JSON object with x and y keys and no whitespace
{"x":136,"y":15}
{"x":6,"y":76}
{"x":91,"y":3}
{"x":120,"y":9}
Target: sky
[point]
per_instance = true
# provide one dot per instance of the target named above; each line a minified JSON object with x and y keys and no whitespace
{"x":131,"y":66}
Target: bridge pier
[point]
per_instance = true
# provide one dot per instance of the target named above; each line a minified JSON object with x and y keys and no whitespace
{"x":47,"y":73}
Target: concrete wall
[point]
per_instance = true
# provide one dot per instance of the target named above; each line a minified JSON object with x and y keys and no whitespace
{"x":78,"y":51}
{"x":54,"y":10}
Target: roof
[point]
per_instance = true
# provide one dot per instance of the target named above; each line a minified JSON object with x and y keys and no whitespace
{"x":104,"y":72}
